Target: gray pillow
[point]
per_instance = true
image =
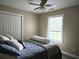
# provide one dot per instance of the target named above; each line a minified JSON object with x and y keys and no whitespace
{"x":9,"y":36}
{"x":21,"y":42}
{"x":40,"y":39}
{"x":4,"y":48}
{"x":14,"y":43}
{"x":3,"y":38}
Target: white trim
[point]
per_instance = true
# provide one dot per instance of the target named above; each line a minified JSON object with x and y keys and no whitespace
{"x":70,"y":54}
{"x":62,"y":26}
{"x":5,"y":12}
{"x":56,"y":15}
{"x":22,"y":27}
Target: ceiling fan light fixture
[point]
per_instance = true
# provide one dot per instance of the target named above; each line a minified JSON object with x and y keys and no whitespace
{"x":42,"y":6}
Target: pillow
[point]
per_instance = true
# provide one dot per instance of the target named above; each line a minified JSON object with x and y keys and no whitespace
{"x":9,"y":36}
{"x":20,"y":41}
{"x":4,"y":38}
{"x":14,"y":43}
{"x":42,"y":39}
{"x":4,"y":48}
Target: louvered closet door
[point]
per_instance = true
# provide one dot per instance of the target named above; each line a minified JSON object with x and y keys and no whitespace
{"x":10,"y":24}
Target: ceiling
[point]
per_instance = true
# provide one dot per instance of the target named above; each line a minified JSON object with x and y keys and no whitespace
{"x":23,"y":4}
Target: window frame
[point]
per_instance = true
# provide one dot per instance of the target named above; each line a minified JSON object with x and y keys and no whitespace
{"x":60,"y":15}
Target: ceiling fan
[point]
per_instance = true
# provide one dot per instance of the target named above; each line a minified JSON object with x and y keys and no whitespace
{"x":42,"y":5}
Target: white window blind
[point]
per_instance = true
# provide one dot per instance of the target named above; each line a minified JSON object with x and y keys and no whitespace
{"x":55,"y":28}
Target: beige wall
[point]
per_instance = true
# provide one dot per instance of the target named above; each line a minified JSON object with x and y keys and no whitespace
{"x":30,"y":20}
{"x":71,"y":28}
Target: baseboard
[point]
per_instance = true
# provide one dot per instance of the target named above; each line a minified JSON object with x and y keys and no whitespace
{"x":70,"y":54}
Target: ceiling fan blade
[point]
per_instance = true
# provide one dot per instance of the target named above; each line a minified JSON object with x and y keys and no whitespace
{"x":49,"y":5}
{"x":34,"y":4}
{"x":36,"y":8}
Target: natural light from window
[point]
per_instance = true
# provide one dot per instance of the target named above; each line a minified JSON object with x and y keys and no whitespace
{"x":55,"y":28}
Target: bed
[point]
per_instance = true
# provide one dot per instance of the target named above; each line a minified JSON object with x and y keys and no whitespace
{"x":12,"y":25}
{"x":36,"y":51}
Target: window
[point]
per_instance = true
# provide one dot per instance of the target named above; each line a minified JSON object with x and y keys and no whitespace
{"x":55,"y":28}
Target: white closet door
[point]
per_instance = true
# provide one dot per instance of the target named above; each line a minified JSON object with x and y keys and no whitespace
{"x":11,"y":24}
